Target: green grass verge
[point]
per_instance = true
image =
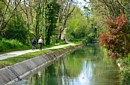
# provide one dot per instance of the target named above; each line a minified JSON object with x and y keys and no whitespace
{"x":14,"y":60}
{"x":15,"y":49}
{"x":11,"y":61}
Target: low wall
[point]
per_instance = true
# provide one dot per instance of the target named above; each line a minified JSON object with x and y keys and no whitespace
{"x":18,"y":71}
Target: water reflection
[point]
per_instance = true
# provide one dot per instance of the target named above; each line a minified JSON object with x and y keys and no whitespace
{"x":86,"y":66}
{"x":86,"y":75}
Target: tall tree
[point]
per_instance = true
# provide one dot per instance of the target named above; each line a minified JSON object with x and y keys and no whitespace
{"x":67,"y":7}
{"x":51,"y":19}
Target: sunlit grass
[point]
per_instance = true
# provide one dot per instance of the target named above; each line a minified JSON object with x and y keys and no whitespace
{"x":11,"y":61}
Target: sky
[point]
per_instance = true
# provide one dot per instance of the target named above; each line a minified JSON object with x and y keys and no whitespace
{"x":82,"y":3}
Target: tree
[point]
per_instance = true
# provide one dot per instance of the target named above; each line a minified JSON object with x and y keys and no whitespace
{"x":67,"y":8}
{"x":76,"y":29}
{"x":51,"y":19}
{"x":16,"y":29}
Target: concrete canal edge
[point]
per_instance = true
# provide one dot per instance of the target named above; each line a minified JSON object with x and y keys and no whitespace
{"x":19,"y":71}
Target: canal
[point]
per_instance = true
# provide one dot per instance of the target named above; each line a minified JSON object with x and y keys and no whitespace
{"x":86,"y":66}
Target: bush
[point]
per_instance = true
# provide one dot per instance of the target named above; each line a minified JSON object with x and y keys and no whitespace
{"x":125,"y":72}
{"x":125,"y":76}
{"x":16,"y":29}
{"x":10,"y":44}
{"x":116,"y":39}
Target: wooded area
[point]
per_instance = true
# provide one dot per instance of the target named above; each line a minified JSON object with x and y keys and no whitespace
{"x":63,"y":20}
{"x":24,"y":20}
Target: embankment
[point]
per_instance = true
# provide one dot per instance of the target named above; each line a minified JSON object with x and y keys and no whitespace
{"x":18,"y":71}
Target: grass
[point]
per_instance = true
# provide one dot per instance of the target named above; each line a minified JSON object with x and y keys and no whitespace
{"x":14,"y":60}
{"x":11,"y":61}
{"x":15,"y":49}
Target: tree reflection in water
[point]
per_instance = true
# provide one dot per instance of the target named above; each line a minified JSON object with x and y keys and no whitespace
{"x":85,"y":66}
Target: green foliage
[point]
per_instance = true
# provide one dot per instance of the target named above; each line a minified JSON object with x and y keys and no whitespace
{"x":77,"y":27}
{"x":125,"y":72}
{"x":61,"y":42}
{"x":31,"y":20}
{"x":81,"y":28}
{"x":16,"y":29}
{"x":51,"y":19}
{"x":2,"y":6}
{"x":125,"y":75}
{"x":10,"y":44}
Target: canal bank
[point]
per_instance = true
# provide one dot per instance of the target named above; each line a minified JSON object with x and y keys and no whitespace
{"x":17,"y":72}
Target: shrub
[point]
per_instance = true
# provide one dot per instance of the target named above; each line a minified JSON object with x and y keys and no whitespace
{"x":117,"y":39}
{"x":10,"y":44}
{"x":125,"y":76}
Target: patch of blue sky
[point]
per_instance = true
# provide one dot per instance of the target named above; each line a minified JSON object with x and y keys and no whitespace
{"x":81,"y":3}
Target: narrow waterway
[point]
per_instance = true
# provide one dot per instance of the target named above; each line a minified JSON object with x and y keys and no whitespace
{"x":86,"y":66}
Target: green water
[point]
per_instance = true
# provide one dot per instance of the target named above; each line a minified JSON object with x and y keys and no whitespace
{"x":86,"y":66}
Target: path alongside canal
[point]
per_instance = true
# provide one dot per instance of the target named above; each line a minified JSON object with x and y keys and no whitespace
{"x":17,"y":53}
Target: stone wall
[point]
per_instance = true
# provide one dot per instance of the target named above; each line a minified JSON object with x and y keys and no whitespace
{"x":18,"y":71}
